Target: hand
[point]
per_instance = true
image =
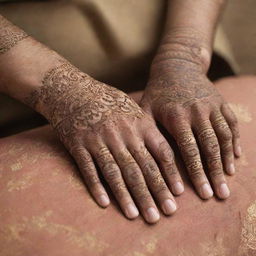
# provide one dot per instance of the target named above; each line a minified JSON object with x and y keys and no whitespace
{"x":180,"y":96}
{"x":102,"y":125}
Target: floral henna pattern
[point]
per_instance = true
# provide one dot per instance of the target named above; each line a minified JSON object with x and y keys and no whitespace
{"x":74,"y":101}
{"x":10,"y":35}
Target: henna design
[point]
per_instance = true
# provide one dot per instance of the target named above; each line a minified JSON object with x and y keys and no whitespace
{"x":195,"y":169}
{"x":10,"y":35}
{"x":166,"y":154}
{"x":73,"y":101}
{"x":166,"y":157}
{"x":184,"y":44}
{"x":190,"y":153}
{"x":177,"y":76}
{"x":210,"y":145}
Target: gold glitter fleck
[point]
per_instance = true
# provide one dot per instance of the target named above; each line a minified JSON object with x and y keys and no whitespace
{"x":214,"y":248}
{"x":242,"y":112}
{"x":76,"y":182}
{"x":80,"y":238}
{"x":138,"y":254}
{"x":16,"y":166}
{"x":248,"y":236}
{"x":19,"y":184}
{"x":150,"y":245}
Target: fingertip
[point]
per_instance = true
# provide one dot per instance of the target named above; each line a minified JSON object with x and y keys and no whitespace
{"x":103,"y":200}
{"x":152,"y":215}
{"x":131,"y":211}
{"x":177,"y":188}
{"x":231,"y":169}
{"x":238,"y":151}
{"x":206,"y":191}
{"x":224,"y":191}
{"x":169,"y":207}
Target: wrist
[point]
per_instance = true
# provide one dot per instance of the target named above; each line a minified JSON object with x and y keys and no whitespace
{"x":64,"y":89}
{"x":184,"y":46}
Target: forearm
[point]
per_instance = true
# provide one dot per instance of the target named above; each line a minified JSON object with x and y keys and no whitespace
{"x":190,"y":29}
{"x":24,"y":63}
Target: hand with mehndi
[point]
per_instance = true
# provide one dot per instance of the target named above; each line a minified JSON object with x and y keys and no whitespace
{"x":186,"y":103}
{"x":100,"y":124}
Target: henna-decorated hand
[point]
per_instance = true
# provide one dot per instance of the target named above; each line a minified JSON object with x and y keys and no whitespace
{"x":186,"y":103}
{"x":102,"y":125}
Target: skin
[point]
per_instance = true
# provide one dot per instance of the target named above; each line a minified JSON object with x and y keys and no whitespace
{"x":99,"y":125}
{"x":181,"y":97}
{"x":121,"y":137}
{"x":47,"y":226}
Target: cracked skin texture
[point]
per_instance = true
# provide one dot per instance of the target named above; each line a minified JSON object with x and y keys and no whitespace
{"x":46,"y":210}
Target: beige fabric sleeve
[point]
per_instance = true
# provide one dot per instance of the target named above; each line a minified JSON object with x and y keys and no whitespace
{"x":236,"y":36}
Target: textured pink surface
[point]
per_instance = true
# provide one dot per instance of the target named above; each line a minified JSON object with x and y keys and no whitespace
{"x":46,"y":209}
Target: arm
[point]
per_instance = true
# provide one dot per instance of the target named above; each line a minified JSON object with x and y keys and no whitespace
{"x":60,"y":211}
{"x":180,"y":96}
{"x":190,"y":26}
{"x":96,"y":122}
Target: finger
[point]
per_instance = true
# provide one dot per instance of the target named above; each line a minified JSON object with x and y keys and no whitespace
{"x":162,"y":152}
{"x":90,"y":175}
{"x":224,"y":136}
{"x":191,"y":156}
{"x":136,"y":183}
{"x":233,"y":125}
{"x":211,"y":150}
{"x":153,"y":177}
{"x":113,"y":176}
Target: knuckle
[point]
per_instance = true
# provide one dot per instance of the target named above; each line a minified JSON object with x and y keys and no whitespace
{"x":111,"y":172}
{"x":226,"y":148}
{"x":160,"y":188}
{"x":235,"y":132}
{"x":119,"y":189}
{"x":141,"y":152}
{"x":150,"y":169}
{"x":154,"y":176}
{"x":206,"y":134}
{"x":212,"y":148}
{"x":198,"y":108}
{"x":124,"y":157}
{"x":226,"y":135}
{"x":190,"y":152}
{"x":233,"y":121}
{"x":91,"y":180}
{"x":165,"y":153}
{"x":185,"y":138}
{"x":209,"y":141}
{"x":102,"y":155}
{"x":216,"y":173}
{"x":142,"y":194}
{"x":195,"y":169}
{"x":215,"y":167}
{"x":170,"y":169}
{"x":133,"y":175}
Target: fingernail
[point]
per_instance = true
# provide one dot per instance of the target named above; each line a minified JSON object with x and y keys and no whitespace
{"x":131,"y":211}
{"x":104,"y":200}
{"x":178,"y":188}
{"x":224,"y":190}
{"x":238,"y":151}
{"x":169,"y":206}
{"x":206,"y":191}
{"x":152,"y":215}
{"x":232,"y":169}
